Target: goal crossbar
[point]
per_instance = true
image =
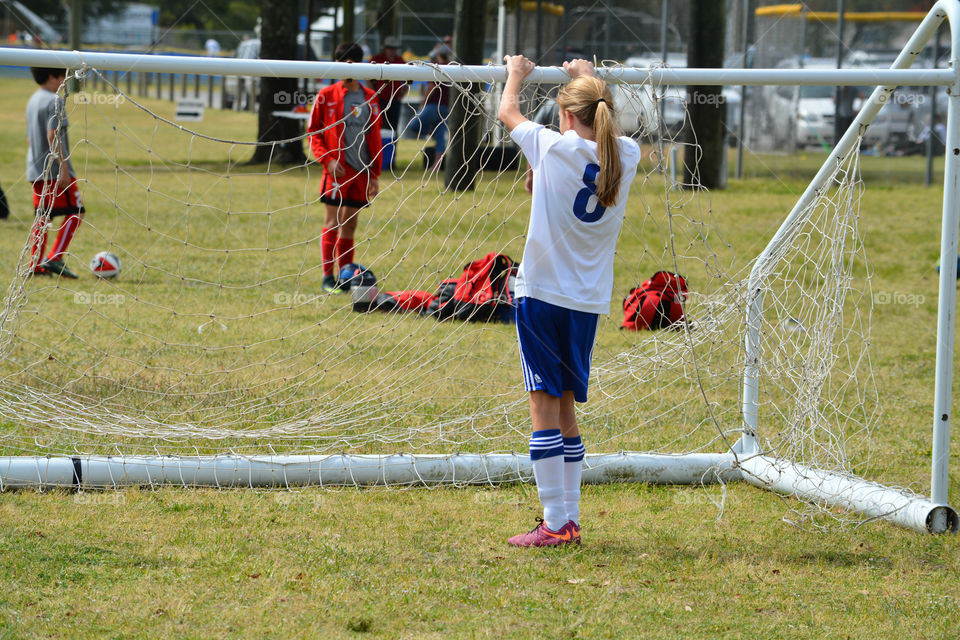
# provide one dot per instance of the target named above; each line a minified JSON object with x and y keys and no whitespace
{"x":465,"y":73}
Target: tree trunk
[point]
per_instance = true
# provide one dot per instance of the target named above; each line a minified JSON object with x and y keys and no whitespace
{"x":386,"y":19}
{"x":704,"y":159}
{"x":347,"y":29}
{"x":465,"y":122}
{"x":278,"y":41}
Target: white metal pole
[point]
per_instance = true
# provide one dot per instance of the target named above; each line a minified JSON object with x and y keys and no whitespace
{"x":946,"y":305}
{"x":222,"y":471}
{"x":498,"y":59}
{"x":847,"y":492}
{"x":501,"y":31}
{"x":462,"y":73}
{"x":755,"y":284}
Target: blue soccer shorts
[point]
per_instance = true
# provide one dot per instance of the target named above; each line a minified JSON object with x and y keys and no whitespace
{"x":556,"y":347}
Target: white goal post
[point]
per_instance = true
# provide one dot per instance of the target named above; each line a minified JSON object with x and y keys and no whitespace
{"x":748,"y":458}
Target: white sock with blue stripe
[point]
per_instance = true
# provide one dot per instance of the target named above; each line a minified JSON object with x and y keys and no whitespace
{"x":546,"y":454}
{"x":573,"y":452}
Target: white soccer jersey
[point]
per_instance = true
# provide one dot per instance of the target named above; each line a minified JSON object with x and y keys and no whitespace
{"x":568,"y":257}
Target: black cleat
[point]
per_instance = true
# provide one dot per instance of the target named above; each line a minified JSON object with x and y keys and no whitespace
{"x":56,"y":268}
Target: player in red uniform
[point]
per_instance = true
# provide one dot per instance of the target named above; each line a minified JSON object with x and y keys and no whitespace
{"x":344,"y":130}
{"x":51,"y":173}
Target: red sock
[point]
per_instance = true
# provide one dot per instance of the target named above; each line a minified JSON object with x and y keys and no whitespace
{"x":328,"y":242}
{"x":67,"y":228}
{"x":344,"y":251}
{"x":38,"y":242}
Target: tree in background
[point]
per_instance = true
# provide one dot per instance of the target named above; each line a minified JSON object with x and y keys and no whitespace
{"x":57,"y":11}
{"x":704,"y":157}
{"x":386,"y":18}
{"x":348,"y":28}
{"x":210,"y":15}
{"x":278,"y":41}
{"x":213,"y":15}
{"x":463,"y":151}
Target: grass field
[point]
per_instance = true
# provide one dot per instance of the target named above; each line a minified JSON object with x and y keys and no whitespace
{"x":657,"y":561}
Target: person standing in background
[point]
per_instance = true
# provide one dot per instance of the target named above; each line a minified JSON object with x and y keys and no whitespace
{"x":431,"y":120}
{"x":390,"y":92}
{"x":344,"y":132}
{"x":50,"y":171}
{"x":212,"y":47}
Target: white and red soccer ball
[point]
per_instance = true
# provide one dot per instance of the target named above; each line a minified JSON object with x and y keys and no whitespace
{"x":105,"y":265}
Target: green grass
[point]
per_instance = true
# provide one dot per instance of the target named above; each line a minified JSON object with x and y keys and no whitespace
{"x":657,"y":561}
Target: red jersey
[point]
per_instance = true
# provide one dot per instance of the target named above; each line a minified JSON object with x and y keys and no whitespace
{"x":325,"y":126}
{"x":395,"y":88}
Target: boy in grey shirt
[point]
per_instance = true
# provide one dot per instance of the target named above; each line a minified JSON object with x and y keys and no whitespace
{"x":49,"y":170}
{"x":344,"y":130}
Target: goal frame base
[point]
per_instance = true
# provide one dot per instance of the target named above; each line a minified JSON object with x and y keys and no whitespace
{"x":227,"y":471}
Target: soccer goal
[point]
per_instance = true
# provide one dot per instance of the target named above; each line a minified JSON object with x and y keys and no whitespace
{"x":214,"y":359}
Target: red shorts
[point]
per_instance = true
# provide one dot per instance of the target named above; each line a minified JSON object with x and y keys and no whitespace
{"x":59,"y":203}
{"x":349,"y":190}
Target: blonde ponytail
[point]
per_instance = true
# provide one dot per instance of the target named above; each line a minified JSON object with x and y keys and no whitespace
{"x":590,"y":100}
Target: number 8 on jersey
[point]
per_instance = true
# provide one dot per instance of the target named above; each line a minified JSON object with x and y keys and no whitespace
{"x":583,"y":196}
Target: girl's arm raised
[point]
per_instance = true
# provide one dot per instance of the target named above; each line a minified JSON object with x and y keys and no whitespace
{"x":518,"y":68}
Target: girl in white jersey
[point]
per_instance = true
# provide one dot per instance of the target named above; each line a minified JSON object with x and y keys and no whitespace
{"x":581,"y":177}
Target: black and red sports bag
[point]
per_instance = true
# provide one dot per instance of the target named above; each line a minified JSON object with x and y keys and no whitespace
{"x":481,"y":293}
{"x":656,"y":304}
{"x":395,"y":301}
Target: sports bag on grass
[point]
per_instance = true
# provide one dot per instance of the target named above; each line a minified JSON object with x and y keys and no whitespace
{"x":412,"y":300}
{"x":481,"y":293}
{"x":656,"y":303}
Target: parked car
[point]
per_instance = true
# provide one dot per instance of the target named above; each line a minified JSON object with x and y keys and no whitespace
{"x":908,"y":108}
{"x":805,"y":115}
{"x":636,"y":109}
{"x":640,"y":111}
{"x":899,"y":110}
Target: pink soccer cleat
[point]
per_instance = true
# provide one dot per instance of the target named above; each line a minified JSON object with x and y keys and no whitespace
{"x":541,"y":536}
{"x":575,"y":528}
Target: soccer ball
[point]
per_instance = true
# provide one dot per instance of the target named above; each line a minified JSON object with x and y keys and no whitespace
{"x":356,"y":275}
{"x":105,"y":265}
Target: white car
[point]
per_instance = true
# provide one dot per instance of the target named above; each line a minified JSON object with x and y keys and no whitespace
{"x":805,"y":115}
{"x":641,"y":109}
{"x":644,"y":109}
{"x":908,"y":108}
{"x":637,"y":110}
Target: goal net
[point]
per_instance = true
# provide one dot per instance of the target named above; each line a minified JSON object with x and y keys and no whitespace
{"x":215,"y":347}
